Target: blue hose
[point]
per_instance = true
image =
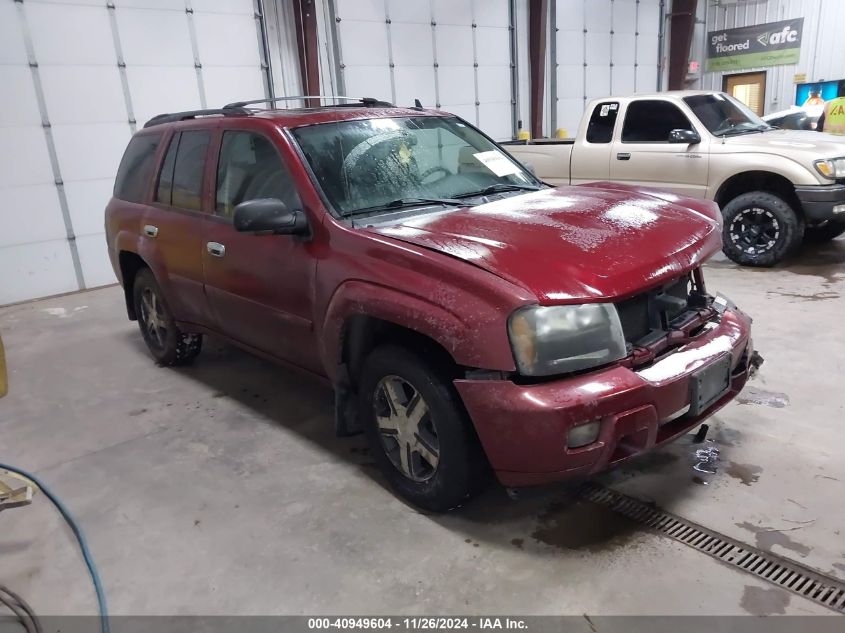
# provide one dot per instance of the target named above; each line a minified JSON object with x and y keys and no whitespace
{"x":80,"y":537}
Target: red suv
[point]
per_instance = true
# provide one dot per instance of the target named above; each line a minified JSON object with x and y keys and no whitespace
{"x":468,"y":316}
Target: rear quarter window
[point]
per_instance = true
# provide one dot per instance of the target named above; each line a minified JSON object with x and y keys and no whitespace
{"x":602,"y":122}
{"x":136,"y":168}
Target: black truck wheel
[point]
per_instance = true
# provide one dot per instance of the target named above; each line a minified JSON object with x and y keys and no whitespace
{"x":760,"y":229}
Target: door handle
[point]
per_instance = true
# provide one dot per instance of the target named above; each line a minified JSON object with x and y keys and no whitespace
{"x":623,"y":156}
{"x":216,"y":249}
{"x":151,"y":230}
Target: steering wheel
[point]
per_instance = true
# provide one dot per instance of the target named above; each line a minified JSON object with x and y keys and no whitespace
{"x":434,"y":170}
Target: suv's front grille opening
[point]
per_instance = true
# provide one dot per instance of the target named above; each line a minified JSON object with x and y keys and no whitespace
{"x":647,"y":317}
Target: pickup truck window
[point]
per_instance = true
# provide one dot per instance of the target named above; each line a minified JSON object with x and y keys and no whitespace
{"x":602,"y":122}
{"x":250,"y":168}
{"x":180,"y":180}
{"x":723,"y":115}
{"x":373,"y":165}
{"x":650,"y":121}
{"x":136,"y":168}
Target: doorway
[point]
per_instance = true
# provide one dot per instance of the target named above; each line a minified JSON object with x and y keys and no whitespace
{"x":750,"y":88}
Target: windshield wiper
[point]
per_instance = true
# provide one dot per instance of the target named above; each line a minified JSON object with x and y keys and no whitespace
{"x":497,"y":188}
{"x":735,"y":131}
{"x":401,"y":203}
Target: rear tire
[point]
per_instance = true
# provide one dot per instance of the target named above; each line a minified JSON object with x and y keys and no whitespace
{"x":824,"y":232}
{"x":418,"y":430}
{"x":760,"y":229}
{"x":166,"y":342}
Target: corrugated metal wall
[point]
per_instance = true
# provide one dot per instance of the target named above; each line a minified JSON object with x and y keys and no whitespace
{"x":822,"y":49}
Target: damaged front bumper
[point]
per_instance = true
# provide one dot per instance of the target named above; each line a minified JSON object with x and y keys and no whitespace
{"x":524,"y":429}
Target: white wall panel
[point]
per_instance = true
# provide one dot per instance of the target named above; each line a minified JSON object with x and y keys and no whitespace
{"x":90,"y":151}
{"x":23,"y":109}
{"x":148,"y":99}
{"x":87,"y":200}
{"x":430,"y":50}
{"x":73,"y":43}
{"x":68,"y":90}
{"x":225,"y":85}
{"x":88,"y":42}
{"x":36,"y":270}
{"x":12,"y":50}
{"x":94,"y":257}
{"x":415,"y":82}
{"x":221,"y":37}
{"x":23,"y":157}
{"x":616,"y":55}
{"x":30,"y":214}
{"x":155,"y":38}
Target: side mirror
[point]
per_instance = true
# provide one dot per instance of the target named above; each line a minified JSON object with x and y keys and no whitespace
{"x":269,"y":214}
{"x":689,"y":137}
{"x":529,"y":168}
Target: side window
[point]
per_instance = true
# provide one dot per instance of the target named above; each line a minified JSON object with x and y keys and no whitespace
{"x":187,"y":171}
{"x":136,"y":168}
{"x":164,"y":189}
{"x":250,"y":168}
{"x":651,"y":122}
{"x":602,"y":122}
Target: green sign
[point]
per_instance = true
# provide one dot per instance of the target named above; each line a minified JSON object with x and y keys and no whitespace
{"x":771,"y":44}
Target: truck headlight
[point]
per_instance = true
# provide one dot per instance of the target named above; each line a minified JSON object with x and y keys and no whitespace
{"x":559,"y":339}
{"x":833,"y":168}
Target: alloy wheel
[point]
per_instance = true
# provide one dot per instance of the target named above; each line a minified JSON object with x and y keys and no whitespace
{"x":152,"y":316}
{"x":755,"y":230}
{"x":406,"y":428}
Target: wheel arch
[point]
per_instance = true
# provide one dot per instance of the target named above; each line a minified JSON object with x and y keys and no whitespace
{"x":758,"y":180}
{"x":130,"y":263}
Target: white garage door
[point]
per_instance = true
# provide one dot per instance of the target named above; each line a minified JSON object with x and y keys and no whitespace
{"x":449,"y":54}
{"x":603,"y":47}
{"x":82,"y":74}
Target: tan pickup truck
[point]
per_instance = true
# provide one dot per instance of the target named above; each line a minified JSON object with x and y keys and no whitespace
{"x":775,"y":187}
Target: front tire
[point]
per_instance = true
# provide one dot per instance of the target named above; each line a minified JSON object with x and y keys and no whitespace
{"x":824,"y":232}
{"x":760,"y":229}
{"x":418,"y":431}
{"x":166,"y":342}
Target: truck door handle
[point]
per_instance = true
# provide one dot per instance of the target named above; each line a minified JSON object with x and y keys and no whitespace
{"x":151,"y":230}
{"x":623,"y":156}
{"x":216,"y":249}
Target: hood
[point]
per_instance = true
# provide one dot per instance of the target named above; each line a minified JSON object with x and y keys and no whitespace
{"x":570,"y":244}
{"x":812,"y":145}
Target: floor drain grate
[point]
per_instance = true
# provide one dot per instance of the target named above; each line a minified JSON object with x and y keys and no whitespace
{"x":824,"y":590}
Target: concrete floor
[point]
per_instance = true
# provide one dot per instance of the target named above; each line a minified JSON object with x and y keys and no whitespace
{"x":220,"y":489}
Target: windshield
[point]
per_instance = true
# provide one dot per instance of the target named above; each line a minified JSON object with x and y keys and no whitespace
{"x":378,"y":164}
{"x":723,"y":115}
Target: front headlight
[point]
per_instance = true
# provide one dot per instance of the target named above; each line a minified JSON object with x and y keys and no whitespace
{"x":560,"y":339}
{"x":833,"y":168}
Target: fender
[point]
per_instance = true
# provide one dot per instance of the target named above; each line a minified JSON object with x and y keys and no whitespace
{"x":461,"y":340}
{"x":724,"y":167}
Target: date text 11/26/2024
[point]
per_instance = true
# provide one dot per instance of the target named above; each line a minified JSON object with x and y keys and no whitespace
{"x":417,"y":623}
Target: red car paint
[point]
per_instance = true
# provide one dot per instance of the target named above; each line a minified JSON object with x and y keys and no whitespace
{"x":455,"y":277}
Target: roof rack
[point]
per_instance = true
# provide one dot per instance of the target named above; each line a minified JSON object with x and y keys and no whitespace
{"x":238,"y":108}
{"x":369,"y":102}
{"x":192,"y":114}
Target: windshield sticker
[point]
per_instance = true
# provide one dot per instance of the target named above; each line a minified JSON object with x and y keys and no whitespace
{"x":604,"y":110}
{"x":496,"y":162}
